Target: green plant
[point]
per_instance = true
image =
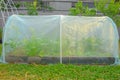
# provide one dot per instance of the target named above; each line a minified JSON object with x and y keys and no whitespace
{"x":32,"y":47}
{"x":116,"y":19}
{"x":91,"y":46}
{"x":80,"y":9}
{"x":14,"y":48}
{"x":50,"y":8}
{"x":32,"y":8}
{"x":95,"y":47}
{"x":89,"y":12}
{"x":12,"y":44}
{"x":85,"y":47}
{"x":41,"y":47}
{"x":17,"y":5}
{"x":109,"y":8}
{"x":41,"y":5}
{"x":2,"y":6}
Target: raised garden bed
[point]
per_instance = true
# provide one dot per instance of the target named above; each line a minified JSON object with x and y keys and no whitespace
{"x":65,"y":60}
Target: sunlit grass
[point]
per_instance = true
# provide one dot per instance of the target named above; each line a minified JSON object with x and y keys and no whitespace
{"x":58,"y":72}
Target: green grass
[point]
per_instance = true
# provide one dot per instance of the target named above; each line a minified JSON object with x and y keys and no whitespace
{"x":58,"y":72}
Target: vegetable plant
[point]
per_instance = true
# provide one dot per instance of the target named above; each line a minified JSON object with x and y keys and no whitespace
{"x":17,"y":5}
{"x":34,"y":47}
{"x":109,"y":8}
{"x":80,"y":9}
{"x":91,"y":46}
{"x":86,"y":47}
{"x":32,"y":8}
{"x":41,"y":47}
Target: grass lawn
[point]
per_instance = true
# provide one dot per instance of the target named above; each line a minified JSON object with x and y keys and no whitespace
{"x":58,"y":72}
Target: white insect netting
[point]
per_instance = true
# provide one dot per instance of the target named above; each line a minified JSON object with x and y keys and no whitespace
{"x":61,"y":38}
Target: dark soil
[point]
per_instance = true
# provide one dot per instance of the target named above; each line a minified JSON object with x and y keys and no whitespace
{"x":65,"y":60}
{"x":0,"y":40}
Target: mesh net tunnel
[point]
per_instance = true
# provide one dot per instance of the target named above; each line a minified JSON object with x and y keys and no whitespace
{"x":60,"y":39}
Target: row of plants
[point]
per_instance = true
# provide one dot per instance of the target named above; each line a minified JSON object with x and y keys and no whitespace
{"x":82,"y":10}
{"x":86,"y":47}
{"x":106,"y":7}
{"x":42,"y":47}
{"x":33,"y":47}
{"x":33,"y":7}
